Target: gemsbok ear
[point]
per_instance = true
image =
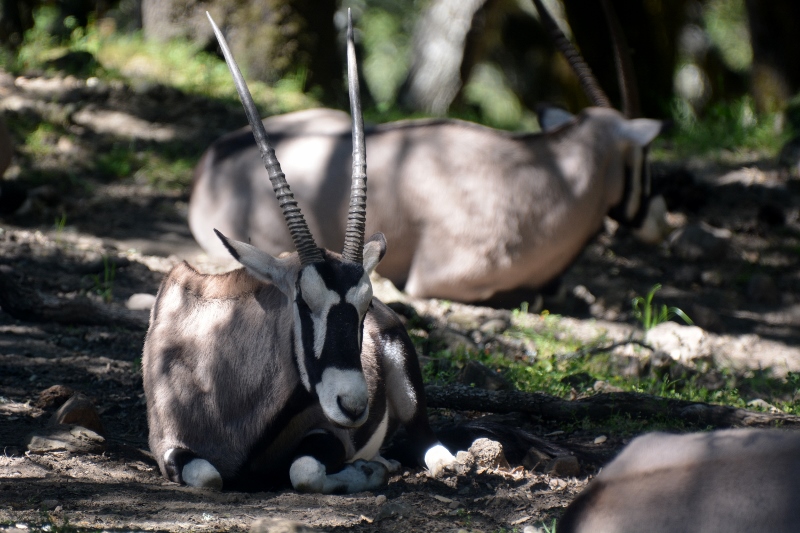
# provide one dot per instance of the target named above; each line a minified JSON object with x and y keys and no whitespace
{"x":262,"y":265}
{"x":374,"y":250}
{"x":640,"y":131}
{"x":551,"y":117}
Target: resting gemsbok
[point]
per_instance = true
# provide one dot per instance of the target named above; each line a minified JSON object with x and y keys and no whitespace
{"x":731,"y":481}
{"x":471,"y":212}
{"x":287,"y":369}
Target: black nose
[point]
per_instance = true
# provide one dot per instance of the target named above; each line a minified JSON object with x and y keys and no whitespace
{"x":353,"y":409}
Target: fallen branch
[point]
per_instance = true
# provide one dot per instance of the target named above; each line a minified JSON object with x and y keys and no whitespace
{"x":24,"y":303}
{"x":599,"y":406}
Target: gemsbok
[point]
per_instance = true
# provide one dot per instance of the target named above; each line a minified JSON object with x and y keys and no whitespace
{"x":287,"y":370}
{"x":729,"y":481}
{"x":470,"y":211}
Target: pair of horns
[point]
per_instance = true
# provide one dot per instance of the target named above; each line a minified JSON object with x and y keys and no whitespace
{"x":622,"y":60}
{"x":357,"y":212}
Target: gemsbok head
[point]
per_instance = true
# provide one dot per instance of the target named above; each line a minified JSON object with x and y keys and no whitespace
{"x":471,"y":212}
{"x":287,"y":370}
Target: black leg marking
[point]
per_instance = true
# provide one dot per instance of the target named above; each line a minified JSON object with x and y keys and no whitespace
{"x":174,"y":462}
{"x":325,"y":448}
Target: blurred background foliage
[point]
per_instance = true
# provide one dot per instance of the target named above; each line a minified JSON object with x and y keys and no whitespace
{"x":723,"y":71}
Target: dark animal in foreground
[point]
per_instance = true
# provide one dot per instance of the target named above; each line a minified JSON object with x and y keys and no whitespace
{"x":287,"y":370}
{"x":470,"y":211}
{"x":732,"y":481}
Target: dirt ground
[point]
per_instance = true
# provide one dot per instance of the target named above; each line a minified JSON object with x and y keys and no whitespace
{"x":743,"y":285}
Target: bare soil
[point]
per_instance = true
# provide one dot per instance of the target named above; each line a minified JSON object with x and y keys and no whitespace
{"x":746,"y":289}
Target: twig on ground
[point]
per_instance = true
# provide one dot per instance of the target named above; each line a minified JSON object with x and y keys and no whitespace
{"x":599,"y":406}
{"x":24,"y":303}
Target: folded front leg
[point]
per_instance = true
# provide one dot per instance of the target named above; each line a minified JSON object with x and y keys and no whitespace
{"x":309,"y":475}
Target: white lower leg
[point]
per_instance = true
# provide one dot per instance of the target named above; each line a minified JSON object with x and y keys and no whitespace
{"x":201,"y":473}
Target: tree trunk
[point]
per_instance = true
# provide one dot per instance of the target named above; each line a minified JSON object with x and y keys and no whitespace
{"x":271,"y":39}
{"x":651,"y":29}
{"x":775,"y":75}
{"x":440,"y":41}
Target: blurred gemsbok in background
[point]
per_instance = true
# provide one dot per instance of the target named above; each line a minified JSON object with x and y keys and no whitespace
{"x":470,"y":211}
{"x":730,"y":481}
{"x":287,"y":370}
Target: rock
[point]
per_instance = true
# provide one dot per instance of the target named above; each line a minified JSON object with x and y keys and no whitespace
{"x":464,"y":462}
{"x":603,"y":386}
{"x":452,"y":340}
{"x":385,"y":291}
{"x":78,"y":411}
{"x":280,"y":525}
{"x":600,"y":439}
{"x":479,"y":375}
{"x":394,"y":509}
{"x":564,"y":466}
{"x":65,"y":438}
{"x":766,"y":406}
{"x":535,"y":459}
{"x":762,"y":289}
{"x":49,"y":505}
{"x":699,"y":241}
{"x":706,"y":318}
{"x":494,"y":326}
{"x":380,"y":499}
{"x":53,"y":397}
{"x":682,"y":343}
{"x":712,"y":278}
{"x":488,"y":453}
{"x":140,"y":302}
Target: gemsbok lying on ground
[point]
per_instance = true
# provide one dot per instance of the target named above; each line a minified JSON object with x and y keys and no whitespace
{"x":470,"y":211}
{"x":731,"y":481}
{"x":287,"y":370}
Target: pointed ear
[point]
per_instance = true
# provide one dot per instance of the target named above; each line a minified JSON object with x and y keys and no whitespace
{"x":280,"y":272}
{"x":640,"y":131}
{"x":552,"y":118}
{"x":374,"y":250}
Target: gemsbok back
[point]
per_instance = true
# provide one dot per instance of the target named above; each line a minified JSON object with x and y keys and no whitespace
{"x":287,"y":370}
{"x":470,"y":211}
{"x":730,"y":481}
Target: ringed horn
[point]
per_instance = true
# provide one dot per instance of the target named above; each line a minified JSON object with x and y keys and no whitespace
{"x":303,"y":241}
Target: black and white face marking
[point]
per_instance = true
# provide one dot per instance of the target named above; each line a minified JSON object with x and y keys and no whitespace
{"x":331,"y":300}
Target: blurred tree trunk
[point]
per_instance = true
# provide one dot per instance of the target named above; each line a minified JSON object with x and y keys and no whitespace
{"x":271,"y":39}
{"x":775,"y":74}
{"x":525,"y":51}
{"x":16,"y":17}
{"x":438,"y":69}
{"x":651,"y":28}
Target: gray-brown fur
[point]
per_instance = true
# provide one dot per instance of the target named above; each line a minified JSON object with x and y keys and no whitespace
{"x":196,"y":355}
{"x":220,"y":378}
{"x":470,"y":211}
{"x":732,"y":481}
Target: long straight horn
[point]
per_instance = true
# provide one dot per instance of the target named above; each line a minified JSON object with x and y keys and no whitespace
{"x":357,"y":213}
{"x":301,"y":236}
{"x":573,"y":57}
{"x":623,"y":62}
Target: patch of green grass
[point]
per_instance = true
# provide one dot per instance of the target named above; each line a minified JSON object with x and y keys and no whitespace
{"x":549,"y":529}
{"x":118,"y":162}
{"x":726,"y":131}
{"x":131,"y":58}
{"x":560,"y":365}
{"x":42,"y":141}
{"x":104,"y":283}
{"x":650,"y":315}
{"x":165,"y":172}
